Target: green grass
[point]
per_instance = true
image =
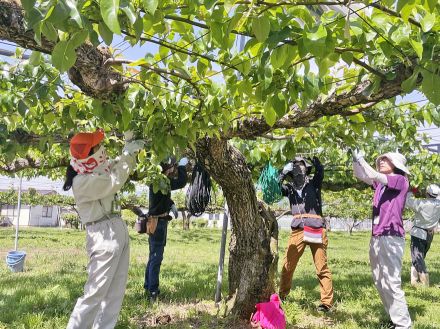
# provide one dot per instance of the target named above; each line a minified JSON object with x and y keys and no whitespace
{"x":44,"y":295}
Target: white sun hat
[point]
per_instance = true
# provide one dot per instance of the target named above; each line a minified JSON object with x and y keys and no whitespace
{"x":397,"y":159}
{"x":433,"y":190}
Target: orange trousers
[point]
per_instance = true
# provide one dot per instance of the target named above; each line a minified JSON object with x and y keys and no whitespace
{"x":295,"y":249}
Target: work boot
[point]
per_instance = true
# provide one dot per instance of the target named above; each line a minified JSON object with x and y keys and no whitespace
{"x":414,"y":276}
{"x":424,"y":279}
{"x":323,"y":308}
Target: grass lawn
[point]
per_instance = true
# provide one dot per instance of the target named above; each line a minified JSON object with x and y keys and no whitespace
{"x":44,"y":294}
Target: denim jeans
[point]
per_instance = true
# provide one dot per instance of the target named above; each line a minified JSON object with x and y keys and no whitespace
{"x":157,"y":242}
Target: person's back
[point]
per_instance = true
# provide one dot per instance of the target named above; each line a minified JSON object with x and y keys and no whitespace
{"x":426,"y":219}
{"x":427,"y":212}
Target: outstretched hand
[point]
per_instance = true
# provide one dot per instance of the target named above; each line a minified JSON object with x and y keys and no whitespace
{"x":357,"y":154}
{"x":315,"y":161}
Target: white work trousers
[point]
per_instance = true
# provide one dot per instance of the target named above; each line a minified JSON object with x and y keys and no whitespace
{"x":109,"y":252}
{"x":386,"y":253}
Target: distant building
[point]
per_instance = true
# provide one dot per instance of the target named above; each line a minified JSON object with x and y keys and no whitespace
{"x":32,"y":215}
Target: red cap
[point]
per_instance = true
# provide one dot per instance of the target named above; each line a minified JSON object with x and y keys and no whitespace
{"x":82,"y":143}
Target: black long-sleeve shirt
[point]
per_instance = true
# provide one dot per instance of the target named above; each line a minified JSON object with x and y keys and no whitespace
{"x":308,"y":201}
{"x":161,"y":203}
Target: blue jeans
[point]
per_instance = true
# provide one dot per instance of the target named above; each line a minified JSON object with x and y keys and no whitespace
{"x":157,"y":243}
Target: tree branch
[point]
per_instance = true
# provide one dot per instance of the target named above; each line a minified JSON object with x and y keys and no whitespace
{"x":336,"y":104}
{"x":181,"y":50}
{"x":393,"y":13}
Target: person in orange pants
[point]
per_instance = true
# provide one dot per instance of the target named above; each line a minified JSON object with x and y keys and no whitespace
{"x":308,"y":227}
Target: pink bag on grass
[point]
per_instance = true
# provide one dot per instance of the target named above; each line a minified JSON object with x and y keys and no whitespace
{"x":269,"y":315}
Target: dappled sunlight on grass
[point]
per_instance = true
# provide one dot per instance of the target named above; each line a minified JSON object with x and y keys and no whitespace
{"x":55,"y":271}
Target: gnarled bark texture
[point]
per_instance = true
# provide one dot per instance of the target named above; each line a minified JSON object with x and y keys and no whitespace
{"x":89,"y":72}
{"x":252,"y":263}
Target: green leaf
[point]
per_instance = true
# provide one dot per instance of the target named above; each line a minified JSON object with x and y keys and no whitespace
{"x":126,"y":118}
{"x":427,"y":117}
{"x":97,"y":108}
{"x":109,"y":13}
{"x":269,"y":113}
{"x":35,"y":58}
{"x":73,"y":12}
{"x":347,"y":57}
{"x":318,"y":34}
{"x":429,"y":86}
{"x":428,"y":22}
{"x":410,"y":84}
{"x":150,"y":5}
{"x":315,"y":41}
{"x":128,"y":9}
{"x":279,"y":104}
{"x":138,"y":27}
{"x":279,"y":56}
{"x":105,"y":33}
{"x":63,"y":56}
{"x":49,"y":118}
{"x":418,"y":47}
{"x":22,"y":108}
{"x":357,"y":118}
{"x":261,"y":27}
{"x":431,"y":4}
{"x":78,"y":38}
{"x":49,"y":31}
{"x":108,"y":113}
{"x":28,"y":4}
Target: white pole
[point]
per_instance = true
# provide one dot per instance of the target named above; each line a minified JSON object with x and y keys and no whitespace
{"x":222,"y":256}
{"x":18,"y":213}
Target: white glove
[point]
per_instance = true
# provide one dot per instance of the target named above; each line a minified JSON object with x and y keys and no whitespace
{"x":357,"y":155}
{"x":128,"y":135}
{"x":174,"y":211}
{"x":133,"y":147}
{"x":287,"y":168}
{"x":183,"y":162}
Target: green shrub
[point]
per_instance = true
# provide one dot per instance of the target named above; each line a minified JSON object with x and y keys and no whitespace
{"x":129,"y":217}
{"x":71,"y":219}
{"x":200,"y":223}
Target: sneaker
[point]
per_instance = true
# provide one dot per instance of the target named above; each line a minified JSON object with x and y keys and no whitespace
{"x":388,"y":324}
{"x":323,"y":308}
{"x":153,"y":297}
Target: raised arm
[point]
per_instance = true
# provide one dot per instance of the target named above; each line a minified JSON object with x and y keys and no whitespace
{"x":364,"y":172}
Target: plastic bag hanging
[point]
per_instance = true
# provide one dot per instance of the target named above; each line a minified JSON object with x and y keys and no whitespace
{"x":198,"y":194}
{"x":269,"y":184}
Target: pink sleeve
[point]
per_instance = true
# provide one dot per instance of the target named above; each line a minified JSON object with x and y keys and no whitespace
{"x":397,"y":182}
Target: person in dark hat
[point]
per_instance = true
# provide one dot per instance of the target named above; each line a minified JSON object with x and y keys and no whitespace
{"x":160,"y":204}
{"x":308,"y":226}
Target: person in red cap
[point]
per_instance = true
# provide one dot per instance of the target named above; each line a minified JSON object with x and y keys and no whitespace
{"x":95,"y":182}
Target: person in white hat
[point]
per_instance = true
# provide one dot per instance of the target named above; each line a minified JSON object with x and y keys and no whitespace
{"x":387,"y":243}
{"x":426,"y":218}
{"x":95,"y":182}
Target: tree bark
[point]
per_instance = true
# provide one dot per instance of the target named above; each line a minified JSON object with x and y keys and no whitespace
{"x":89,"y":72}
{"x":252,"y":262}
{"x":186,"y":219}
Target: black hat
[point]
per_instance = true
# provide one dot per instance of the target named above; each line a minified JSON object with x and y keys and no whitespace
{"x":168,"y":163}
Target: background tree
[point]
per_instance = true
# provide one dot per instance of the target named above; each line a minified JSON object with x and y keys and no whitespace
{"x":311,"y":74}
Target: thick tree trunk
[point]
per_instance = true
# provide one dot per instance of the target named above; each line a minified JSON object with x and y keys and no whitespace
{"x":252,"y":263}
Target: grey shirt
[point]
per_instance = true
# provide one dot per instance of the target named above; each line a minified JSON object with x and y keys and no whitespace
{"x":427,"y":211}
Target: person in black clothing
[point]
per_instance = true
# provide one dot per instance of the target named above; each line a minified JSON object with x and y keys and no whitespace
{"x":308,"y":227}
{"x":159,"y":206}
